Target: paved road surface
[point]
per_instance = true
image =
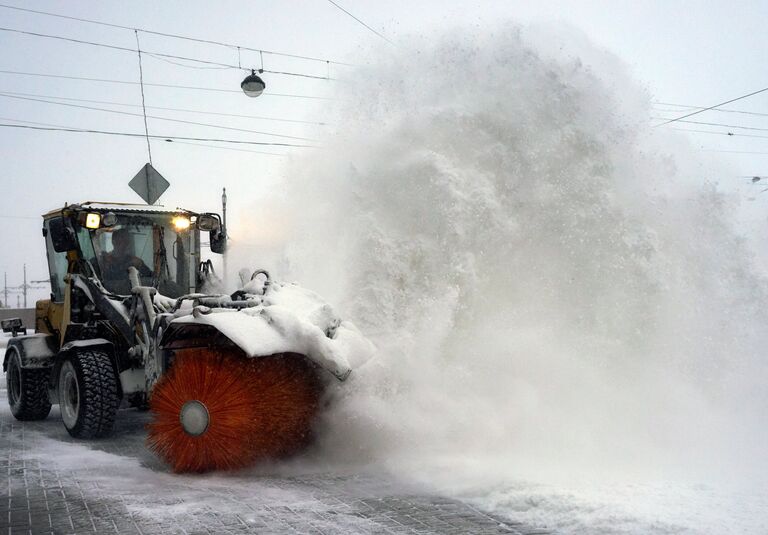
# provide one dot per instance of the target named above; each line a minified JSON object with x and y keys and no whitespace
{"x":55,"y":484}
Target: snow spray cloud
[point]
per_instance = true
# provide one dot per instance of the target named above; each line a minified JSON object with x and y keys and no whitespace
{"x":554,"y":286}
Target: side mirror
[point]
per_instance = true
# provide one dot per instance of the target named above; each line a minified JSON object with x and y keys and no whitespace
{"x":208,"y":222}
{"x":62,"y":234}
{"x":218,"y":241}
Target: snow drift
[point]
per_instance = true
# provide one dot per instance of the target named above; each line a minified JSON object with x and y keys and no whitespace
{"x":555,"y":287}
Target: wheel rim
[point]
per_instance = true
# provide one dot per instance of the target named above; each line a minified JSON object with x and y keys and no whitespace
{"x":14,"y":382}
{"x":69,"y":395}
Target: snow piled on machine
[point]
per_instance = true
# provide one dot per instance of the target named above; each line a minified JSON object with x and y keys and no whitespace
{"x":286,"y":318}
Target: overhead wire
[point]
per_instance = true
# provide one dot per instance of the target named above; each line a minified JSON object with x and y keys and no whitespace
{"x":160,"y":118}
{"x":183,"y":110}
{"x":718,"y":124}
{"x":34,"y":126}
{"x":143,"y":104}
{"x":168,"y":139}
{"x":201,"y":67}
{"x":734,"y":151}
{"x":702,"y":110}
{"x":154,"y":54}
{"x":360,"y":21}
{"x":224,"y":148}
{"x":725,"y":110}
{"x":730,"y":134}
{"x":174,"y":86}
{"x":175,"y":36}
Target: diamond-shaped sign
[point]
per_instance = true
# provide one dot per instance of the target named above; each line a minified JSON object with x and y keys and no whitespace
{"x":149,"y":184}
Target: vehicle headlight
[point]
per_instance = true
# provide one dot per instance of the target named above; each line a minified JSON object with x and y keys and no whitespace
{"x":92,"y":220}
{"x":181,"y":223}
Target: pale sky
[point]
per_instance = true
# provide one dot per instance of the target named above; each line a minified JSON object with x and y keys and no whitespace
{"x":696,"y":53}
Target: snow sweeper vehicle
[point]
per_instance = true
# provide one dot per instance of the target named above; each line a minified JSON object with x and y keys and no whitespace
{"x":131,"y":322}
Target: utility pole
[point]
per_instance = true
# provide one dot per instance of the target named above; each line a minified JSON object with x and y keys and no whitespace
{"x":25,"y":286}
{"x":5,"y":291}
{"x":224,"y":231}
{"x":224,"y":208}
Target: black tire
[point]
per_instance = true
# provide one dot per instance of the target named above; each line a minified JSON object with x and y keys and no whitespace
{"x":27,"y":390}
{"x":87,"y":387}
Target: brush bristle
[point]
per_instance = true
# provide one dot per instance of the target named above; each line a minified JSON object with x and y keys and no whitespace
{"x":258,"y":408}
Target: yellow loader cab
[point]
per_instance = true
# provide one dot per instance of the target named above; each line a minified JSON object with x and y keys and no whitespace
{"x":91,"y":346}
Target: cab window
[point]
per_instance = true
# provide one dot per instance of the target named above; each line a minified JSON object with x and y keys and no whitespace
{"x":57,"y":266}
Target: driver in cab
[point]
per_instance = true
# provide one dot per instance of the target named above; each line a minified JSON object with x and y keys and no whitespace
{"x":115,"y":264}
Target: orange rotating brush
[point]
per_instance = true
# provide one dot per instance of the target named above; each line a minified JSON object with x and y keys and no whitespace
{"x":215,"y":409}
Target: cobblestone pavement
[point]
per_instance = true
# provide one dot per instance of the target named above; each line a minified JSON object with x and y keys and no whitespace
{"x":56,"y":484}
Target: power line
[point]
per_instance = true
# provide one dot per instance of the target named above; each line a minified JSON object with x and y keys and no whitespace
{"x":185,"y":65}
{"x":718,"y":124}
{"x":184,"y":110}
{"x":223,"y":148}
{"x":731,"y":134}
{"x":176,"y":36}
{"x":195,"y":123}
{"x":131,"y":134}
{"x":130,"y":82}
{"x":143,"y":105}
{"x":361,"y":22}
{"x":713,"y":107}
{"x":103,"y":45}
{"x":725,"y":110}
{"x":734,"y":151}
{"x":161,"y":54}
{"x":175,"y":141}
{"x":32,"y":122}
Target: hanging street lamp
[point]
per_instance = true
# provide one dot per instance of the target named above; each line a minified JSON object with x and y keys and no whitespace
{"x":253,"y":85}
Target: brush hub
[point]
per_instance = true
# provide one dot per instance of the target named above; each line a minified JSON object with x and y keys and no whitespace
{"x":194,"y":418}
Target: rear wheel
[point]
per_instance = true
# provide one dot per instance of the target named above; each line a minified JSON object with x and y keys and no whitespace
{"x":27,"y":390}
{"x":217,"y":409}
{"x":88,"y":397}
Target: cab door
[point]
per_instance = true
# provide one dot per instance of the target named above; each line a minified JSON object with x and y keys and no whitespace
{"x":49,"y":313}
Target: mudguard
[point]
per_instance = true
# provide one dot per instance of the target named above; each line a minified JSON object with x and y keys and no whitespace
{"x":36,"y":350}
{"x":91,"y":342}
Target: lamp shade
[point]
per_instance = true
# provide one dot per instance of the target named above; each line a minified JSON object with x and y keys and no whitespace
{"x":253,"y":85}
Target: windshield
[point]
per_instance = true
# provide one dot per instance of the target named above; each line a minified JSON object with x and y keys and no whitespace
{"x":163,"y":257}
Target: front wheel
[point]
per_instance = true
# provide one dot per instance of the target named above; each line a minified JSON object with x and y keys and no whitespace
{"x":27,"y":390}
{"x":88,"y":397}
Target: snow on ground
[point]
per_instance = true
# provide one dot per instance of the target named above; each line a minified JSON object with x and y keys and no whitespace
{"x":119,"y":475}
{"x":598,"y":505}
{"x":595,"y":507}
